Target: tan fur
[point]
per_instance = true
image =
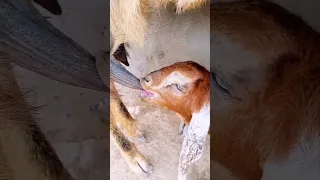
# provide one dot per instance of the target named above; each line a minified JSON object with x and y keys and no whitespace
{"x":120,"y":118}
{"x":195,"y":94}
{"x":119,"y":115}
{"x":270,"y":119}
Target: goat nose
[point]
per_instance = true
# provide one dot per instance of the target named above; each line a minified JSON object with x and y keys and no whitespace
{"x":147,"y":79}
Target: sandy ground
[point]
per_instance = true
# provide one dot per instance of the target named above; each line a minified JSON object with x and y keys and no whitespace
{"x":79,"y":137}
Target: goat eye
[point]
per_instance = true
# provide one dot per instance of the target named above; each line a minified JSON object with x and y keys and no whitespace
{"x":178,"y":87}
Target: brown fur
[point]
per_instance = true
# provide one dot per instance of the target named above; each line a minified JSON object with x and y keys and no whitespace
{"x":270,"y":119}
{"x":195,"y":94}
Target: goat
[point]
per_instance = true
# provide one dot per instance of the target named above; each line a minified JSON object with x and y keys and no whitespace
{"x":130,"y":24}
{"x":184,"y":88}
{"x":269,"y":124}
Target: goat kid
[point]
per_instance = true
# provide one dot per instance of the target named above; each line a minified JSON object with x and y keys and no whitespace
{"x":183,"y":87}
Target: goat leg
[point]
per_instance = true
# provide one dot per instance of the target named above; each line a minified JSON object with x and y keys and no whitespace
{"x":183,"y":128}
{"x":129,"y":152}
{"x":119,"y":116}
{"x":122,"y":117}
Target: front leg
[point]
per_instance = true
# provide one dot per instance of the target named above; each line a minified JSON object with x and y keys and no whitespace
{"x":123,"y":118}
{"x":120,"y":117}
{"x":183,"y":128}
{"x":129,"y":152}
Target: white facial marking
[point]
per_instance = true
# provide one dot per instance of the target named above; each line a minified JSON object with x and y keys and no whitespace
{"x":174,"y":78}
{"x":194,"y":141}
{"x":303,"y":163}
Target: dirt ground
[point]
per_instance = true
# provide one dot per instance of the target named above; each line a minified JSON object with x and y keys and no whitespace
{"x":79,"y":138}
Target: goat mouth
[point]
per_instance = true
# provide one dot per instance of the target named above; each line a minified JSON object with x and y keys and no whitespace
{"x":147,"y":94}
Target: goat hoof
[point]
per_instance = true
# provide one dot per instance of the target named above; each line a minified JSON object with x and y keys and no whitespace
{"x":150,"y":170}
{"x":140,"y":165}
{"x":142,"y":139}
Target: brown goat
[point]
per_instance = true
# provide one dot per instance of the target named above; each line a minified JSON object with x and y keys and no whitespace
{"x":184,"y":88}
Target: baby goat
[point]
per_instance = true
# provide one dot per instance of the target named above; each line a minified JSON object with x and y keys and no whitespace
{"x":183,"y":87}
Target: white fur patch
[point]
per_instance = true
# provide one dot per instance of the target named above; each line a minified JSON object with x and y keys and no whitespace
{"x":174,"y":78}
{"x":193,"y":143}
{"x":302,"y":163}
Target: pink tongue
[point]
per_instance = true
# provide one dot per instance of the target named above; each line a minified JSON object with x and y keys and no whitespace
{"x":147,"y":93}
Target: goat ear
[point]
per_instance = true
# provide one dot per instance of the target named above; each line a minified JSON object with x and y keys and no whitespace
{"x":121,"y":55}
{"x":52,"y":6}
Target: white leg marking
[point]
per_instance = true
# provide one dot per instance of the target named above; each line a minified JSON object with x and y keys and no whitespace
{"x":193,"y":143}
